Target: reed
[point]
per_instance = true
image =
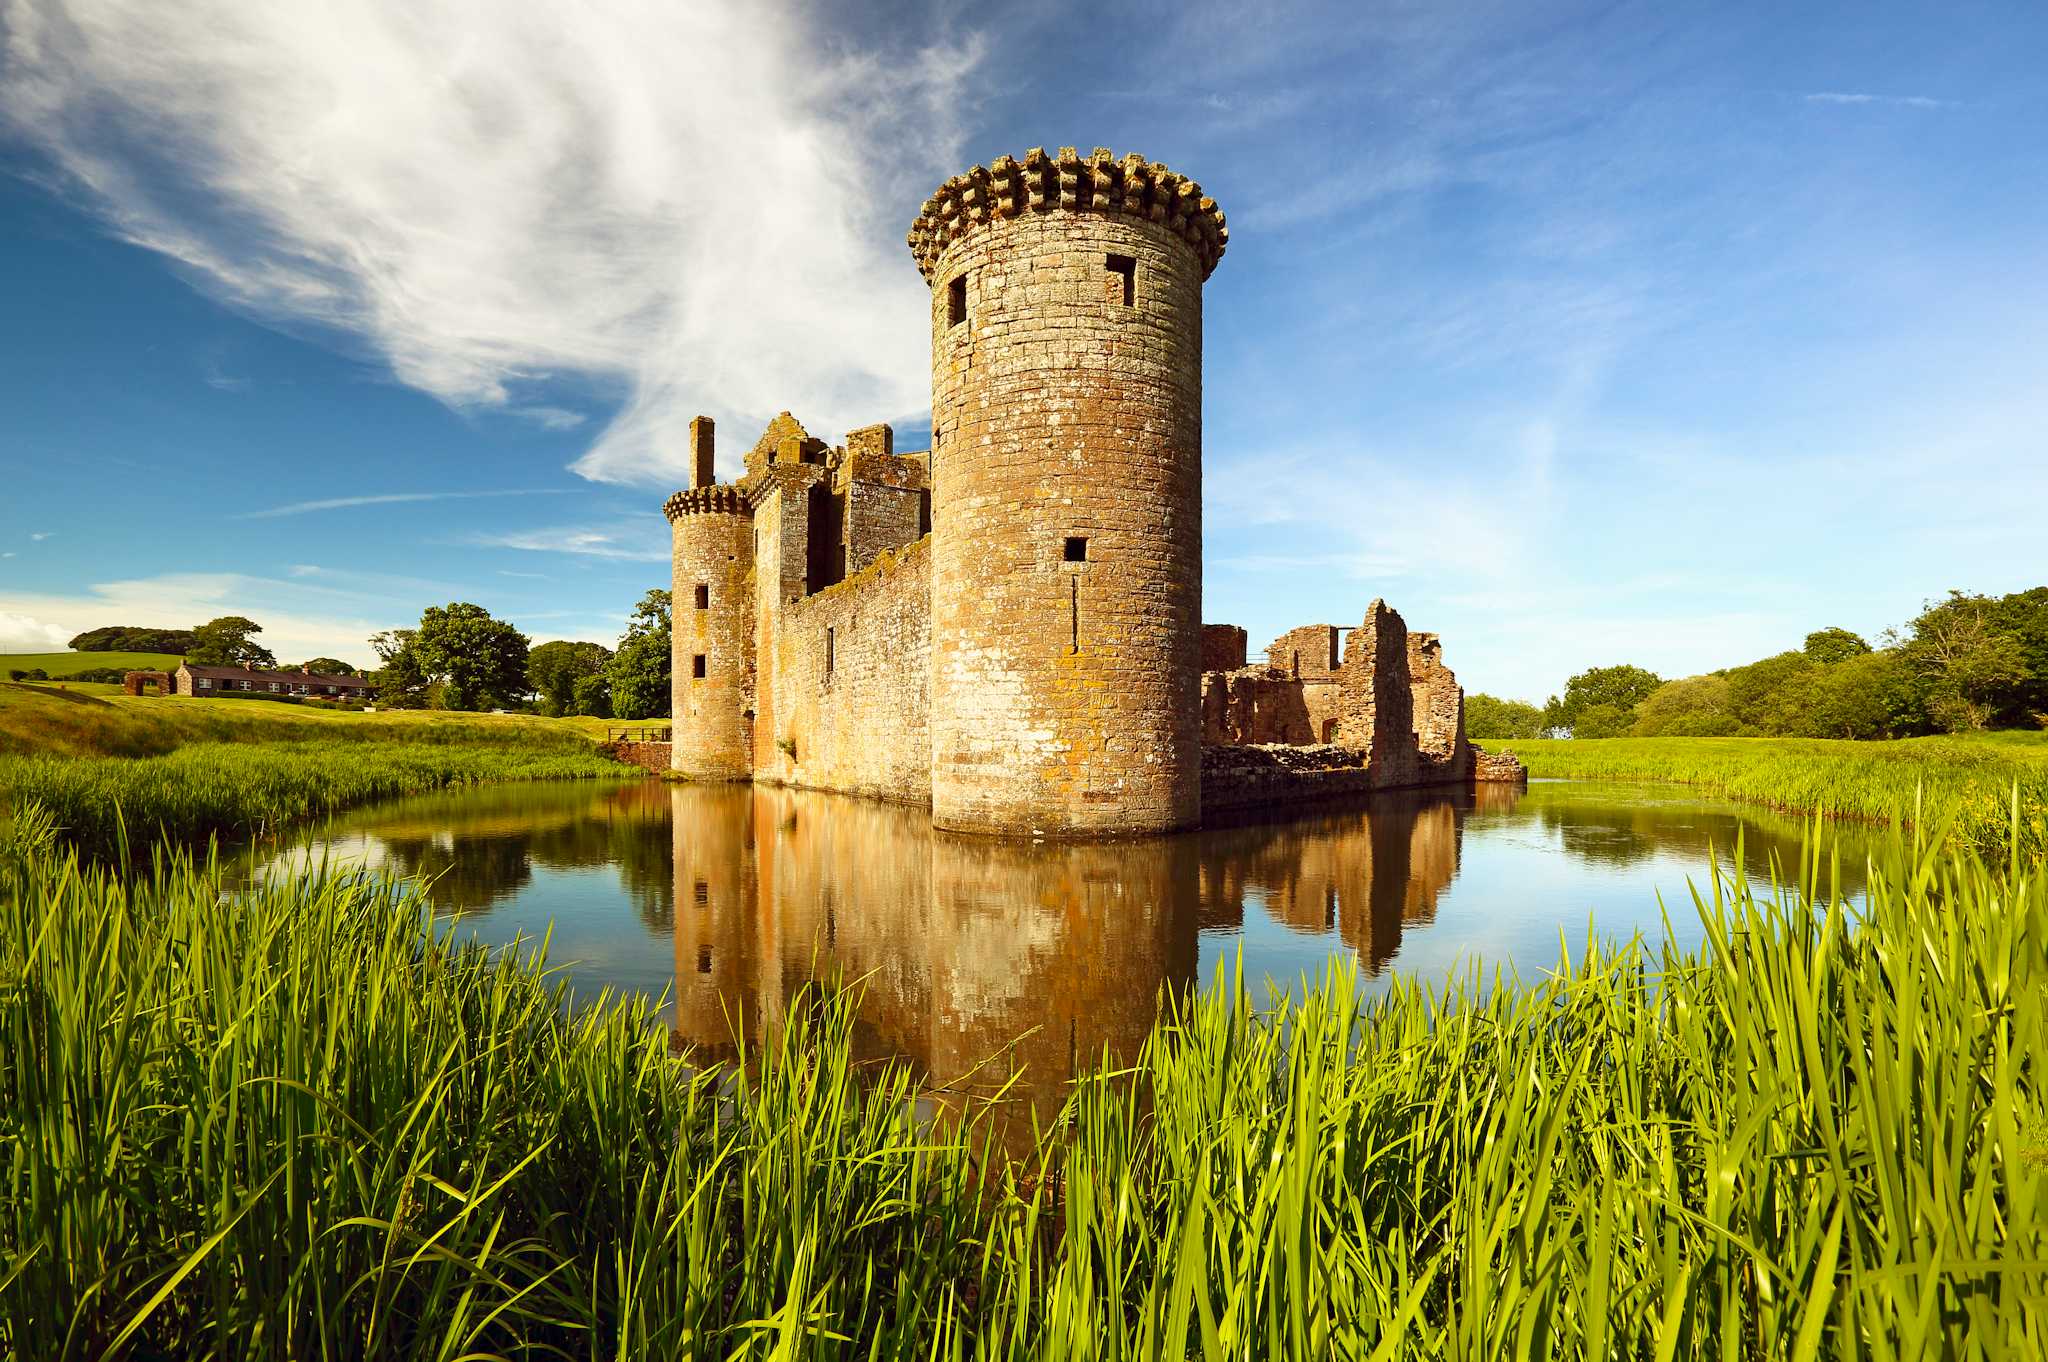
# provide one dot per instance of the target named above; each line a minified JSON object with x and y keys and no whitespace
{"x":1963,"y":783}
{"x":301,"y":1121}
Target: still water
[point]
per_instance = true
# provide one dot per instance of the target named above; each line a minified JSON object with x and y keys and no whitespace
{"x":728,"y":899}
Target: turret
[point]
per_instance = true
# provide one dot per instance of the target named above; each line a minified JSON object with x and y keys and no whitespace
{"x":712,"y":616}
{"x":1067,"y":498}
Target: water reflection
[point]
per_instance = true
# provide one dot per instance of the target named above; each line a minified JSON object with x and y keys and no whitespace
{"x":732,"y":898}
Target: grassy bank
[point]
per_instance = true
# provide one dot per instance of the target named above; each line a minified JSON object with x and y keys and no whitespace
{"x":1966,"y":782}
{"x":188,"y":769}
{"x":67,"y":663}
{"x":299,"y":1123}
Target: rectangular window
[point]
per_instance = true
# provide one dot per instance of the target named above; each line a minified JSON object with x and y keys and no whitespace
{"x":1123,"y":279}
{"x":697,"y":666}
{"x":828,"y":651}
{"x":205,"y":684}
{"x":703,"y":596}
{"x":703,"y":894}
{"x":1077,"y":549}
{"x":956,"y":301}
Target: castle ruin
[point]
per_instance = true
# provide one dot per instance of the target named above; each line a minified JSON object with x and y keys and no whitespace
{"x":1007,"y":627}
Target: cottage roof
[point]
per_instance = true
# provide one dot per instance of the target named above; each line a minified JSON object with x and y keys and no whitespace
{"x":213,"y":673}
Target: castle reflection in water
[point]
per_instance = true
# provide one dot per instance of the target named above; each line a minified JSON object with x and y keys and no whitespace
{"x":975,"y":956}
{"x":1039,"y":956}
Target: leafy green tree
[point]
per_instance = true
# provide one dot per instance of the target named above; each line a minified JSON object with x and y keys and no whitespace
{"x":1690,"y":707}
{"x":1867,"y":696}
{"x":123,"y":638}
{"x":1767,"y":695}
{"x":1488,"y":716}
{"x":1603,"y":721}
{"x":553,"y":670}
{"x":1829,"y":646}
{"x":1620,"y":688}
{"x":327,"y":666}
{"x":640,"y":670}
{"x":400,"y":679}
{"x":593,"y":696}
{"x":1970,"y":663}
{"x":229,"y":642}
{"x":473,"y":660}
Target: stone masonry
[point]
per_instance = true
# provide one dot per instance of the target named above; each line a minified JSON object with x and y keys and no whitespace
{"x":1007,"y":628}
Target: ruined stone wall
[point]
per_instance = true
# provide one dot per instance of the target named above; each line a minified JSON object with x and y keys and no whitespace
{"x":1254,"y":705}
{"x":886,"y":506}
{"x":648,"y":756}
{"x":1066,"y":406}
{"x":712,"y":537}
{"x":1439,"y":708}
{"x":1377,"y":712}
{"x":845,"y":683}
{"x":1223,"y":648}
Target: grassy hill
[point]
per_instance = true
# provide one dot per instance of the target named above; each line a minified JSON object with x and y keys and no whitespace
{"x":61,"y":665}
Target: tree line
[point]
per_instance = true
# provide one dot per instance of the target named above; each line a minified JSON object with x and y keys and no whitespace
{"x":1965,"y":663}
{"x":457,"y":658}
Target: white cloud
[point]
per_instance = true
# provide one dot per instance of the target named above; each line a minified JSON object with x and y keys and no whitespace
{"x":552,"y":418}
{"x":388,"y":499}
{"x":41,"y":535}
{"x":1899,"y":101}
{"x":591,"y":543}
{"x":701,"y":201}
{"x":26,"y":634}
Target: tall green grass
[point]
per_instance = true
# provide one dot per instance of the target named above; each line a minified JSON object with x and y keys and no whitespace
{"x":1965,"y":783}
{"x":242,"y":790}
{"x":298,"y":1122}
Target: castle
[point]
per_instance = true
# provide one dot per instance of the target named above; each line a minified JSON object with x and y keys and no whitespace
{"x":1007,"y":627}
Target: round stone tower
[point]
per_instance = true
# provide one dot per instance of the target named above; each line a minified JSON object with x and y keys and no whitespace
{"x":1067,"y":493}
{"x":712,"y":623}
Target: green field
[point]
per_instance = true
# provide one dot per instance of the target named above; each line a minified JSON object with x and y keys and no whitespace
{"x":59,"y":665}
{"x":1965,"y":783}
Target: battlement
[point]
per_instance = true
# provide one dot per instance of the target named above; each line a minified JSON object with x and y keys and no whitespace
{"x":717,"y":499}
{"x":1008,"y":188}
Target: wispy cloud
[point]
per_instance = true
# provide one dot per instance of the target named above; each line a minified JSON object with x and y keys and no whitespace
{"x":530,"y":576}
{"x":586,"y":542}
{"x":40,"y":535}
{"x":222,"y":381}
{"x":552,"y":418}
{"x":702,"y":202}
{"x":389,"y":499}
{"x":1898,"y":101}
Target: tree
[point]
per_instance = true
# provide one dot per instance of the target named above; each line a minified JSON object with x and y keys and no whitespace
{"x":1620,"y":688}
{"x":1690,"y":707}
{"x":123,"y":638}
{"x":472,"y":660}
{"x":229,"y":642}
{"x":554,"y":669}
{"x":1766,"y":696}
{"x":1970,"y":662}
{"x":401,"y":680}
{"x":593,"y":696}
{"x":639,"y":671}
{"x":1488,"y":716}
{"x":1603,"y":721}
{"x":327,"y":666}
{"x":1829,"y":646}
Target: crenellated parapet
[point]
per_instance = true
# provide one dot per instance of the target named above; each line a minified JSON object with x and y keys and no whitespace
{"x":718,"y":499}
{"x":1070,"y":183}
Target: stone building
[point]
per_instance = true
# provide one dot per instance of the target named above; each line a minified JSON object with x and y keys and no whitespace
{"x":1007,"y":627}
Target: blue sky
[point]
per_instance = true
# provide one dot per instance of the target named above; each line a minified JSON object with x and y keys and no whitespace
{"x":1581,"y":333}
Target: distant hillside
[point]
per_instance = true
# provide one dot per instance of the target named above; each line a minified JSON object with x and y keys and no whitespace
{"x":61,"y":665}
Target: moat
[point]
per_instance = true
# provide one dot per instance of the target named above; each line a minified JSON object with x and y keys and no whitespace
{"x":729,"y":898}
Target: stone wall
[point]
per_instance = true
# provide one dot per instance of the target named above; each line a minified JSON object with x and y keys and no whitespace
{"x":1223,"y":648}
{"x":1439,"y":707}
{"x":648,"y":756}
{"x":1376,"y":707}
{"x":1498,"y":768}
{"x":1067,"y":532}
{"x":845,"y":683}
{"x":1254,"y":705}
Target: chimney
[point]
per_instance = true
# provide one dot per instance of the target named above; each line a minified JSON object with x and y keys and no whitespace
{"x":703,"y":443}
